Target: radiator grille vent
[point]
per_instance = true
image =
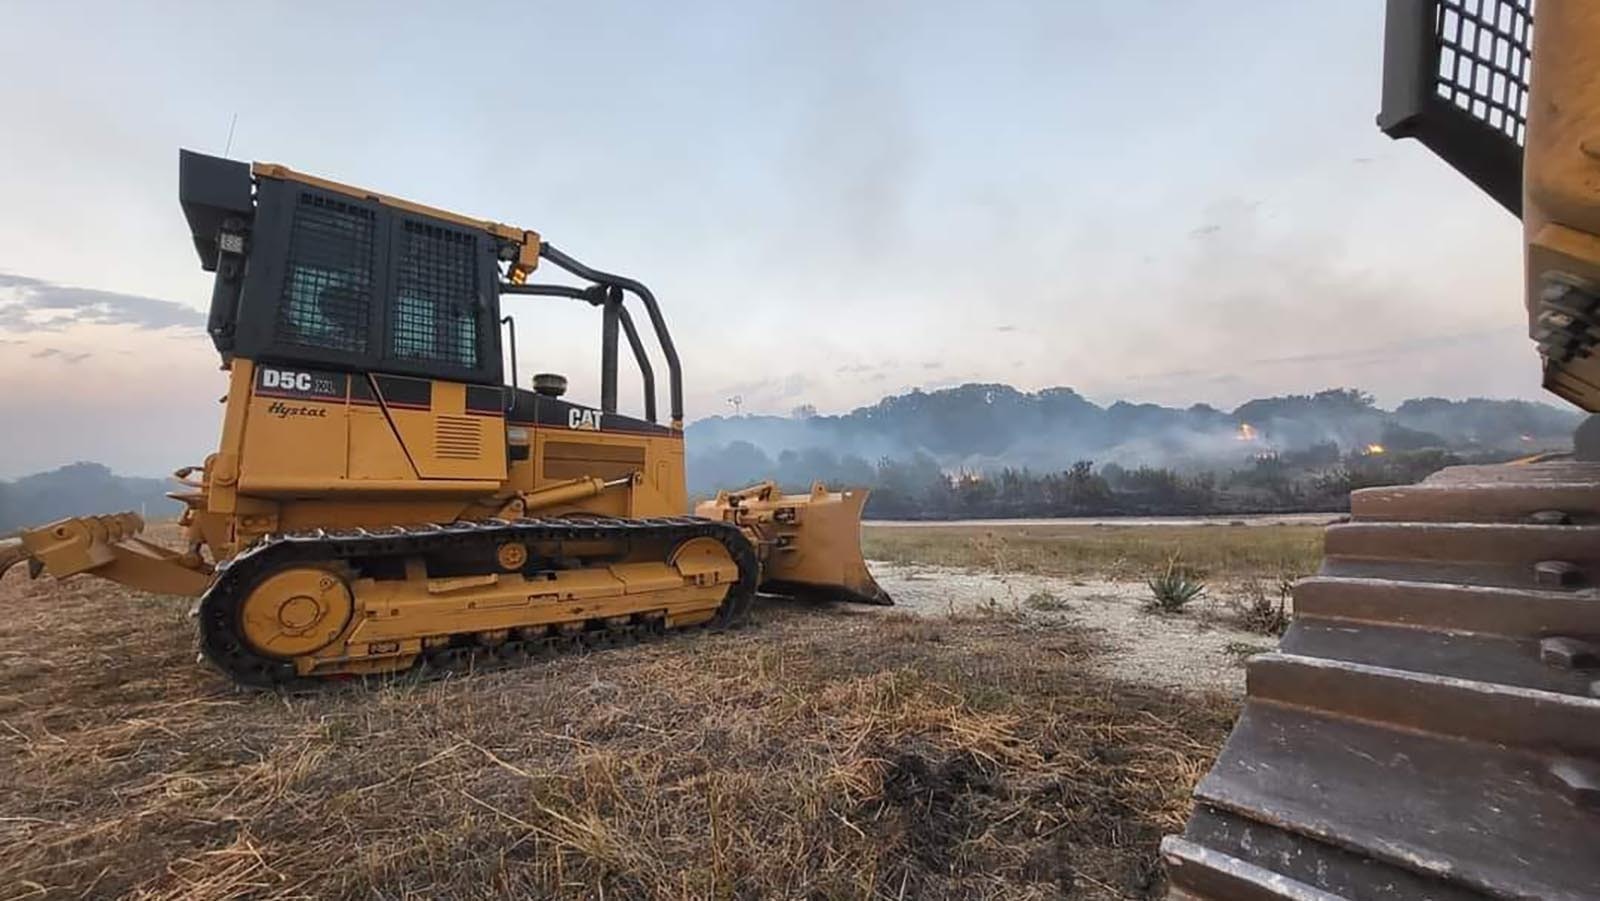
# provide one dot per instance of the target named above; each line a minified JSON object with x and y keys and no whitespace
{"x":457,"y":438}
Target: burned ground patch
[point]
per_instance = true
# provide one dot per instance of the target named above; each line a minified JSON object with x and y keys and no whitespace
{"x":819,"y":753}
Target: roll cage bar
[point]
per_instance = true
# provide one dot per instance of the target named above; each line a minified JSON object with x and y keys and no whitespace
{"x":609,"y":291}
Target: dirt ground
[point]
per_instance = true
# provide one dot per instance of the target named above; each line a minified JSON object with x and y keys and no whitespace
{"x":1202,"y":649}
{"x":991,"y":750}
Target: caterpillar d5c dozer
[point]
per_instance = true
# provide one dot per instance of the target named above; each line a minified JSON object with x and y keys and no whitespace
{"x":1429,"y":727}
{"x":380,"y":498}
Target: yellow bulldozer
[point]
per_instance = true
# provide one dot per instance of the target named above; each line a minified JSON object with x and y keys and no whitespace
{"x":381,"y":498}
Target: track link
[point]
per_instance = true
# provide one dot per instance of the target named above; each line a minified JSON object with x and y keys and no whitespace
{"x":220,"y":607}
{"x":1429,"y":727}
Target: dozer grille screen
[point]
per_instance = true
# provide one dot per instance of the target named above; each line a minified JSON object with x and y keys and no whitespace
{"x":436,"y":295}
{"x":327,"y":289}
{"x":1484,"y":48}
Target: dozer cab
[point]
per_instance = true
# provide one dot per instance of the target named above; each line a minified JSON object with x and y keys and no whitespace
{"x":1429,"y":727}
{"x":382,"y":497}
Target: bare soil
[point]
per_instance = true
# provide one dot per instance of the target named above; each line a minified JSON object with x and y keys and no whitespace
{"x":1202,"y":648}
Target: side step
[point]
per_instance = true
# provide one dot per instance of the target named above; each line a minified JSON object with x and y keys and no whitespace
{"x":1430,"y":726}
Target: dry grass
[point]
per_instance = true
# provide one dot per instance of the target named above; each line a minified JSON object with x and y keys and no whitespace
{"x":821,"y":753}
{"x":1110,"y":552}
{"x":1264,"y":611}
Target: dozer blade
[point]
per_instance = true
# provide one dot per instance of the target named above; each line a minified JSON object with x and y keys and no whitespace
{"x":108,"y":546}
{"x":810,"y":543}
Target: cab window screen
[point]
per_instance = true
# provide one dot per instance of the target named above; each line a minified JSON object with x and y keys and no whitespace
{"x":436,"y":296}
{"x":327,"y":286}
{"x":1484,"y":50}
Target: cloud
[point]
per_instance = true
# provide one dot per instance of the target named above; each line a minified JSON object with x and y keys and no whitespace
{"x":57,"y":353}
{"x":766,"y":392}
{"x":1378,"y":353}
{"x":1005,"y":328}
{"x":35,"y":305}
{"x":1387,"y":351}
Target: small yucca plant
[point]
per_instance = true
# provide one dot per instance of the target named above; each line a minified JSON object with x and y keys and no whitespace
{"x":1172,"y":589}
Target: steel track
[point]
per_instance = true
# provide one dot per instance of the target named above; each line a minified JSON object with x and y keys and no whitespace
{"x":1429,"y":727}
{"x":221,"y":638}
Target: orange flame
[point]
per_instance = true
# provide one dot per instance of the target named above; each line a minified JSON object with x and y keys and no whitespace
{"x":1374,"y":448}
{"x":1247,"y":432}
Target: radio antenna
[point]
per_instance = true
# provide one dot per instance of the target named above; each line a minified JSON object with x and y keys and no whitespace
{"x":231,"y":123}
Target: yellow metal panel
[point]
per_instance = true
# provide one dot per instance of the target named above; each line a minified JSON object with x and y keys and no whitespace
{"x":1562,"y":159}
{"x":444,"y":441}
{"x":1561,"y":166}
{"x":222,"y":489}
{"x":592,"y":459}
{"x":305,"y":439}
{"x":558,"y":455}
{"x":273,"y":485}
{"x":673,"y":490}
{"x":345,"y":511}
{"x":398,"y":610}
{"x":375,"y":451}
{"x":647,"y":576}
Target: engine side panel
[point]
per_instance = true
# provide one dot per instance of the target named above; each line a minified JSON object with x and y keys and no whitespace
{"x":566,"y":441}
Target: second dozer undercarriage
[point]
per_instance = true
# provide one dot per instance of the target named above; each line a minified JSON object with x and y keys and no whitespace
{"x":1429,"y":727}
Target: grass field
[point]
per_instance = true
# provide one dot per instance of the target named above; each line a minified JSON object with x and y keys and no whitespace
{"x":821,"y":752}
{"x":1105,"y":551}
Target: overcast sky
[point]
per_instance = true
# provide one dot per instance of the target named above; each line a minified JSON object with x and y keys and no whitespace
{"x":1160,"y":201}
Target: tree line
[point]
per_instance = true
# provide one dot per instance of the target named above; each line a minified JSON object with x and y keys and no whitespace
{"x":1319,"y":478}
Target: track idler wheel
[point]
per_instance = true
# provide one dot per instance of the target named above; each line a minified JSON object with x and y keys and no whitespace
{"x":296,"y":612}
{"x":706,"y":561}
